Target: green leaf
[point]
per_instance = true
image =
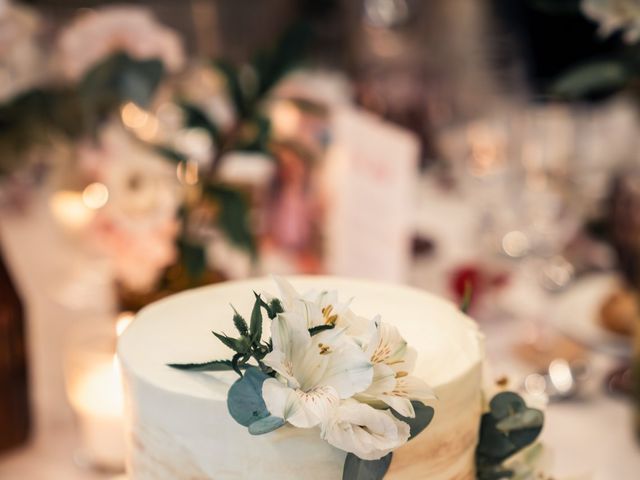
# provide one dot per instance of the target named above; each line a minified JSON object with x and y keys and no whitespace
{"x":424,"y":415}
{"x":233,"y":85}
{"x":196,"y":118}
{"x":356,"y":468}
{"x":595,"y":77}
{"x":234,"y":216}
{"x":256,"y":320}
{"x":273,"y":308}
{"x":117,"y":80}
{"x":244,"y":401}
{"x":257,"y":136}
{"x":529,"y":418}
{"x":276,"y":307}
{"x":271,"y":66}
{"x":240,"y":323}
{"x":213,"y":366}
{"x":235,"y":362}
{"x":266,"y":425}
{"x":493,"y":472}
{"x":239,"y":345}
{"x":507,"y":428}
{"x":193,"y":257}
{"x":320,"y":328}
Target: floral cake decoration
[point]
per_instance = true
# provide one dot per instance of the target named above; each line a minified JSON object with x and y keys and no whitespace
{"x":350,"y":377}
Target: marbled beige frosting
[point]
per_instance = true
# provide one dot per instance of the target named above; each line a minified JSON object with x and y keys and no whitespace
{"x":178,"y":424}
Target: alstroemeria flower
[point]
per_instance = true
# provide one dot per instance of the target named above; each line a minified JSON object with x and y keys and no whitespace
{"x":320,"y":308}
{"x":312,"y":373}
{"x":393,"y":361}
{"x":364,"y":431}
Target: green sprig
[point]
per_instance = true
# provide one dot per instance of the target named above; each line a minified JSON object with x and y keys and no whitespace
{"x":247,"y":346}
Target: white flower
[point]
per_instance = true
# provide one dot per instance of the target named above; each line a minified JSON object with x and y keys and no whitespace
{"x":364,"y":431}
{"x":99,"y":33}
{"x":22,"y":63}
{"x":393,"y":361}
{"x":313,"y":373}
{"x":320,"y":308}
{"x":137,"y":226}
{"x":614,"y":15}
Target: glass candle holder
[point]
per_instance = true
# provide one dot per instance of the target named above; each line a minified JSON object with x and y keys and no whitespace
{"x":95,"y":393}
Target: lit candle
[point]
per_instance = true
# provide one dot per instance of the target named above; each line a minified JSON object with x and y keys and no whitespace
{"x":97,"y":400}
{"x":95,"y":393}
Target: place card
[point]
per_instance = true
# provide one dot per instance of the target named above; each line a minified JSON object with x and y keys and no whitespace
{"x":369,"y":179}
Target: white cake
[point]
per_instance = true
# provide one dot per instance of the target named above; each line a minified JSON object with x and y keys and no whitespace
{"x":178,"y":424}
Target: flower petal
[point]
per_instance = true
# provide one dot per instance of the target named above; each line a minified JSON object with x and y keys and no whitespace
{"x":402,"y":405}
{"x":288,"y":294}
{"x":280,"y":400}
{"x":414,"y":388}
{"x":364,"y":431}
{"x":300,"y":409}
{"x":348,"y":371}
{"x":384,"y":380}
{"x":289,"y":334}
{"x":278,"y":361}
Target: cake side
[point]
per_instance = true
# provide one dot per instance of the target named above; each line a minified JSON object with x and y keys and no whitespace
{"x":178,"y":421}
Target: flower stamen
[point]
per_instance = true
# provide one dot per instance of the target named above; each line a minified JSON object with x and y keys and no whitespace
{"x":328,"y":318}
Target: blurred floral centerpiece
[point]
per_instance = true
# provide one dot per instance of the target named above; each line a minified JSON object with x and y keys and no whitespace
{"x":161,"y":155}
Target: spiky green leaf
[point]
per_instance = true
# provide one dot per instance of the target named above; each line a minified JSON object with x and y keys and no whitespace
{"x":240,"y":323}
{"x":238,"y":345}
{"x":213,"y":366}
{"x":256,"y":320}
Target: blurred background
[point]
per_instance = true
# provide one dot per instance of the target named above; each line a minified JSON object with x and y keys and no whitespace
{"x":488,"y":148}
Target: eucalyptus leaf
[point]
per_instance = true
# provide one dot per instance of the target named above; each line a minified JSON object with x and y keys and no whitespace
{"x":527,"y":419}
{"x":493,"y":472}
{"x":266,"y":425}
{"x":424,"y":415}
{"x":507,"y":428}
{"x":244,"y":401}
{"x":356,"y":468}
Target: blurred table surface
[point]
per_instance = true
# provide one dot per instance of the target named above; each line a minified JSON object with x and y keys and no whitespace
{"x":591,"y":438}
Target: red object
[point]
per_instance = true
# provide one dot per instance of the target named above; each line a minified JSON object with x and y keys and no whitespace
{"x":479,"y":279}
